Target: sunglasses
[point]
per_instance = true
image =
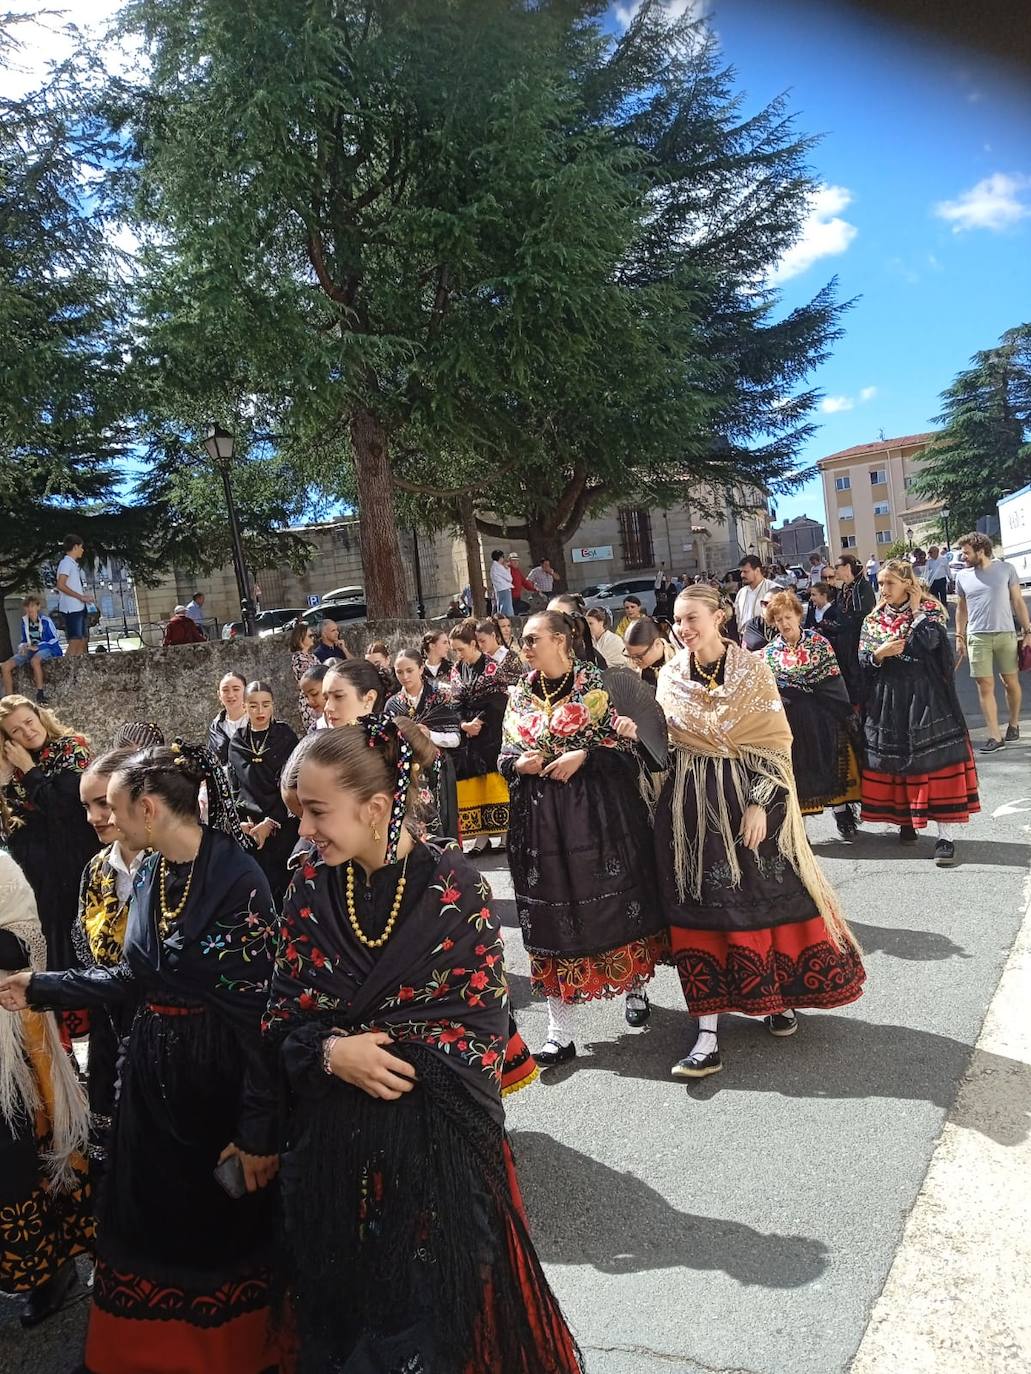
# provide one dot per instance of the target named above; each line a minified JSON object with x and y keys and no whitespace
{"x":531,"y":640}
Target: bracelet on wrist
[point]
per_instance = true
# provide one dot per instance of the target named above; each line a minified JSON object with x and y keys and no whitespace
{"x":327,"y":1050}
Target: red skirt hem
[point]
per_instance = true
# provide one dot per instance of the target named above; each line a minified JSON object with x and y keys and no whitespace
{"x":585,"y":978}
{"x":948,"y":795}
{"x":763,"y":972}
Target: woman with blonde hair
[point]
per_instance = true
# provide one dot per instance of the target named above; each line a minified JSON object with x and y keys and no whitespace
{"x":41,"y":817}
{"x":45,"y":1213}
{"x":918,"y":765}
{"x":755,"y":927}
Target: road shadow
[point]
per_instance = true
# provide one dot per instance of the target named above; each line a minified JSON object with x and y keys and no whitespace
{"x":831,"y":1056}
{"x":885,"y":846}
{"x":927,"y":946}
{"x":584,"y":1212}
{"x":518,"y":990}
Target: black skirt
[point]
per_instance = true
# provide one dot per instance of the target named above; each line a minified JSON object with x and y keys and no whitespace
{"x":913,"y":722}
{"x":581,"y":859}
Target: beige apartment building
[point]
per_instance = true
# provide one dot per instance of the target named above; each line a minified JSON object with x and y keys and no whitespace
{"x":867,"y":494}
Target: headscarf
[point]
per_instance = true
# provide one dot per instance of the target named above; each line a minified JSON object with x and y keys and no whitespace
{"x":36,"y":1076}
{"x":742,"y":721}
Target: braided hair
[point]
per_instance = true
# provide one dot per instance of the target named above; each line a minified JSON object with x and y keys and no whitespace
{"x":174,"y":773}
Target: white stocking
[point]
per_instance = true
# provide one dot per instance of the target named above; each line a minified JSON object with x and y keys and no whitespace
{"x":706,"y":1042}
{"x":946,"y":832}
{"x":561,"y":1021}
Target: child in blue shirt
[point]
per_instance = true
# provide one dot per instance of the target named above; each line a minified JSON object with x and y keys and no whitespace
{"x":38,"y":643}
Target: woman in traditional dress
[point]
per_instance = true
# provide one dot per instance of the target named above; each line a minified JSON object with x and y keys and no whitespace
{"x":406,"y":1242}
{"x":479,"y":688}
{"x":183,"y":1263}
{"x":302,"y":657}
{"x":755,"y":927}
{"x":257,"y":754}
{"x":436,"y":653}
{"x":99,"y":935}
{"x":855,"y":601}
{"x":428,"y":702}
{"x":352,"y":690}
{"x":823,"y":735}
{"x":231,"y":717}
{"x":917,"y":762}
{"x":41,"y":762}
{"x":46,"y":1216}
{"x":647,"y":650}
{"x":580,"y":837}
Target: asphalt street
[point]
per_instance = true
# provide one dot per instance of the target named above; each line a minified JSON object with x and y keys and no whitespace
{"x":747,"y":1224}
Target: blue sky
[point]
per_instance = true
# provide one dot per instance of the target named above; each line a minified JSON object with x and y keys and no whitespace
{"x":926,"y":157}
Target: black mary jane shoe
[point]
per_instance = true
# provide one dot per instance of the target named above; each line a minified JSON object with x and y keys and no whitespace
{"x":698,"y":1065}
{"x":637,"y":1016}
{"x":907,"y":834}
{"x":551,"y":1053}
{"x":50,"y":1297}
{"x":846,"y":823}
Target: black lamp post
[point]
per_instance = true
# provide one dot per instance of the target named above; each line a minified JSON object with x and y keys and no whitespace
{"x":220,"y":444}
{"x":944,"y":513}
{"x":909,"y":536}
{"x":420,"y":604}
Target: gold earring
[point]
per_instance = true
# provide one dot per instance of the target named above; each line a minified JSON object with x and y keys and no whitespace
{"x":147,"y":834}
{"x":375,"y":832}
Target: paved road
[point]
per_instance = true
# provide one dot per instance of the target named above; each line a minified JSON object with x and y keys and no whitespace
{"x":746,"y":1224}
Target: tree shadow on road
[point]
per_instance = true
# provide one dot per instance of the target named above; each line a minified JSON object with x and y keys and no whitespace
{"x":831,"y":1056}
{"x":922,"y":945}
{"x":634,"y":1228}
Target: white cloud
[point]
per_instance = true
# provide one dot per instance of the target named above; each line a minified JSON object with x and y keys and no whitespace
{"x":834,"y":405}
{"x":997,"y":202}
{"x":676,"y":9}
{"x":43,"y":37}
{"x":824,"y":234}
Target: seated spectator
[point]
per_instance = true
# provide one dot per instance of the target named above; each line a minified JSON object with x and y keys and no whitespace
{"x":181,"y":629}
{"x":38,"y":643}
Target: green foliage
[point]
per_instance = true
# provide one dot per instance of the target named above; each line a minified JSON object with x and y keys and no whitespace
{"x":983,"y":449}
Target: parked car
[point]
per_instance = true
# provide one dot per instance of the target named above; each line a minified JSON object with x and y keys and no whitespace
{"x":274,"y":622}
{"x":340,"y":612}
{"x":342,"y":594}
{"x":232,"y":629}
{"x":611,"y":594}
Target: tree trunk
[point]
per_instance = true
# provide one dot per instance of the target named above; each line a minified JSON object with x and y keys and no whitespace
{"x":546,"y":543}
{"x":386,"y":593}
{"x":473,"y":555}
{"x":6,"y":647}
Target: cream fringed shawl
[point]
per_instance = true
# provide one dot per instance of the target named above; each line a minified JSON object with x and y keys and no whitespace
{"x":742,"y":725}
{"x":37,"y":1079}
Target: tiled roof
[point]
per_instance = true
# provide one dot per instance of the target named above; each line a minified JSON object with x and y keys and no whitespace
{"x":906,"y":441}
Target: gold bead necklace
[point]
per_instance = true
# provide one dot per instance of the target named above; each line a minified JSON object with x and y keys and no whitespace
{"x":170,"y":914}
{"x":352,"y":915}
{"x":552,"y":699}
{"x":711,"y":678}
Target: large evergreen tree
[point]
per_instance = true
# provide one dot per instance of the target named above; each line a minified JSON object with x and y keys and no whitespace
{"x":984,"y":447}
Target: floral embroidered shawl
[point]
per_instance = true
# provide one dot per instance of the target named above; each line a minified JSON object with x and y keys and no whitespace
{"x":439,"y":981}
{"x":102,"y":916}
{"x":742,"y":725}
{"x":889,"y":622}
{"x":471,"y":682}
{"x":68,"y":754}
{"x":811,"y":661}
{"x":585,"y":720}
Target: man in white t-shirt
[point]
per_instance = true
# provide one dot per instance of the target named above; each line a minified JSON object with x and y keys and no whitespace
{"x":72,"y":600}
{"x":501,"y":583}
{"x":754,"y":585}
{"x":989,"y":601}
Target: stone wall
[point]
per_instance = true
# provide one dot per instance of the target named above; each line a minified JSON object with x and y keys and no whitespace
{"x":177,"y":687}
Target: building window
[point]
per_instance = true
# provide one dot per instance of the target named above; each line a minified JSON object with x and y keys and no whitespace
{"x":845,"y":513}
{"x":878,"y":476}
{"x":881,"y":508}
{"x":635,"y":528}
{"x":908,"y":482}
{"x":848,"y":541}
{"x":885,"y":537}
{"x":842,"y":483}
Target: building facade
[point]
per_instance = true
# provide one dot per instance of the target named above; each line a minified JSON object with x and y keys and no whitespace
{"x":798,"y":538}
{"x":869,"y":500}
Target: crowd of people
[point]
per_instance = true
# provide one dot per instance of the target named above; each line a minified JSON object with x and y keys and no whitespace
{"x":290,"y":975}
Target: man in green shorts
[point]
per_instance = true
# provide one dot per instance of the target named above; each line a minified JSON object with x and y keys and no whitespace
{"x":989,"y":601}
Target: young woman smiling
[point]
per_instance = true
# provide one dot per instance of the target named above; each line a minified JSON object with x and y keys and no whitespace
{"x":231,"y":717}
{"x":755,"y":927}
{"x":257,"y":756}
{"x":405,"y":1235}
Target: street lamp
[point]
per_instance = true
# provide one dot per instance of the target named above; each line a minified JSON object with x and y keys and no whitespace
{"x":944,"y":513}
{"x":909,"y":536}
{"x":220,"y":444}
